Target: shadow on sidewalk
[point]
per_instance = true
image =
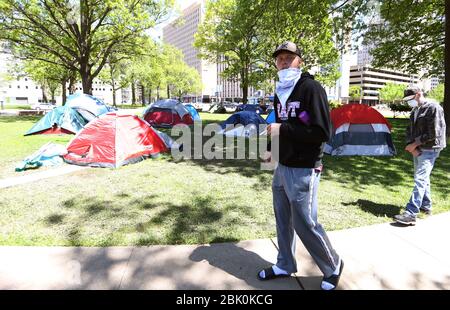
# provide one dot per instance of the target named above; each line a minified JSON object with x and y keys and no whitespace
{"x":242,"y":264}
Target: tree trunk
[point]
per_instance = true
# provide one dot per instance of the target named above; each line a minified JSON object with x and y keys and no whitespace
{"x":157,"y":93}
{"x":150,"y":95}
{"x":44,"y":96}
{"x":64,"y":92}
{"x":168,"y":92}
{"x":114,"y":97}
{"x":86,"y":76}
{"x":86,"y":81}
{"x":143,"y":94}
{"x":447,"y":67}
{"x":244,"y":83}
{"x":72,"y":82}
{"x":133,"y":94}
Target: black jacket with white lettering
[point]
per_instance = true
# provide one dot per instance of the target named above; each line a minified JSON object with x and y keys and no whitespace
{"x":301,"y":144}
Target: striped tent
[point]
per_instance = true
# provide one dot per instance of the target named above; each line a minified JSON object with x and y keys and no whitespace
{"x":359,"y":129}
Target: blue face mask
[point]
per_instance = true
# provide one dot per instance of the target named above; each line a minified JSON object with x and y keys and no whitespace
{"x":288,"y":78}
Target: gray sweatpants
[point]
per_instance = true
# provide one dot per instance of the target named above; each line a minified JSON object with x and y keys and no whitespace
{"x":295,"y":205}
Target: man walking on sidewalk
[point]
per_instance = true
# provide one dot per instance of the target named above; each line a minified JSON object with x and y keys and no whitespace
{"x":425,"y":139}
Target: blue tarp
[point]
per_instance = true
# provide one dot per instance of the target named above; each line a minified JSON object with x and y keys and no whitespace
{"x":88,"y":103}
{"x":48,"y":155}
{"x":62,"y":117}
{"x":244,"y":118}
{"x":271,"y":117}
{"x":193,"y":112}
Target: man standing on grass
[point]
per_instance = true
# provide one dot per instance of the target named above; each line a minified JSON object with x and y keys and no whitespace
{"x":425,"y":139}
{"x":302,"y":127}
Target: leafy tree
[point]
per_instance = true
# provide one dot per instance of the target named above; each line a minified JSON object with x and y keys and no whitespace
{"x":114,"y":74}
{"x":354,"y":92}
{"x":229,"y":34}
{"x":180,"y":78}
{"x":307,"y":23}
{"x":80,"y":35}
{"x":392,"y":92}
{"x":411,"y":35}
{"x":243,"y":34}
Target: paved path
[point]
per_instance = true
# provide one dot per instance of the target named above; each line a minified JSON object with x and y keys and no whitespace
{"x":65,"y":169}
{"x":376,"y":257}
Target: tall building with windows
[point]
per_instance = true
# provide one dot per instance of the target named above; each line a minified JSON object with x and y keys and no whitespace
{"x":180,"y":33}
{"x":371,"y":80}
{"x":364,"y":56}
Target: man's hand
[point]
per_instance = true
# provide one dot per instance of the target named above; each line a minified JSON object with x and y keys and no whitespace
{"x":416,"y":152}
{"x":273,"y":129}
{"x":267,"y":157}
{"x":411,"y":147}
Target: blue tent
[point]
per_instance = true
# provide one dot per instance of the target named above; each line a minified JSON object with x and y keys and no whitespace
{"x":61,"y":120}
{"x":88,"y":106}
{"x":243,"y":124}
{"x":193,"y":112}
{"x":270,"y":119}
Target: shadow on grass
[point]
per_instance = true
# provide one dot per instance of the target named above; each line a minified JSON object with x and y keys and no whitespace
{"x":203,"y":219}
{"x":376,"y":209}
{"x":357,"y":172}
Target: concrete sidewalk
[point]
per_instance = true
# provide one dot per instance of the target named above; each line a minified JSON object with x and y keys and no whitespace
{"x":376,"y":257}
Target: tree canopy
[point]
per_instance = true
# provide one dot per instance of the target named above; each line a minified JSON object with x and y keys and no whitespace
{"x":392,"y":92}
{"x":79,"y":35}
{"x":243,"y":34}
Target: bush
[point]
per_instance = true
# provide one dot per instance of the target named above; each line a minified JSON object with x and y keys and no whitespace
{"x":334,"y":104}
{"x":399,"y":107}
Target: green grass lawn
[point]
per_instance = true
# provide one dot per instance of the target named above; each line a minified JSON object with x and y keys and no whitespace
{"x":159,"y":201}
{"x":17,"y":107}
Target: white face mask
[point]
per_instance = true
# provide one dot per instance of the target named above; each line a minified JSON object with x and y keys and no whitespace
{"x":289,"y":74}
{"x":412,"y":103}
{"x":288,"y":79}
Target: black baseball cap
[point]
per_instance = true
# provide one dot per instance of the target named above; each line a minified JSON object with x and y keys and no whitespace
{"x":289,"y":47}
{"x":411,"y":92}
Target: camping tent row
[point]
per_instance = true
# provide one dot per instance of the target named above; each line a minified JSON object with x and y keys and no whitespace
{"x":80,"y":109}
{"x":169,"y":113}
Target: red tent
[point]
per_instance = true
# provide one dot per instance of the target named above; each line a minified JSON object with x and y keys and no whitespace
{"x":113,"y":141}
{"x":168,"y":113}
{"x":357,"y":114}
